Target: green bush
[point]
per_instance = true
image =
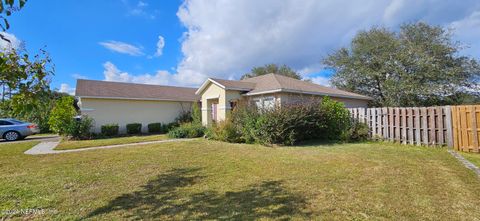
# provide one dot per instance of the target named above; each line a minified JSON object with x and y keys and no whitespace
{"x":184,"y":117}
{"x":81,"y":129}
{"x":187,"y":130}
{"x":134,"y":128}
{"x":358,"y":131}
{"x":196,"y":113}
{"x":155,"y":128}
{"x":337,"y":119}
{"x":224,"y":131}
{"x":287,"y":125}
{"x":110,"y":130}
{"x":62,"y":120}
{"x":167,"y":127}
{"x":62,"y":116}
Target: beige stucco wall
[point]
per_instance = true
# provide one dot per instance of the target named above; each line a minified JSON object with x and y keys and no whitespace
{"x":214,"y":93}
{"x":123,"y":112}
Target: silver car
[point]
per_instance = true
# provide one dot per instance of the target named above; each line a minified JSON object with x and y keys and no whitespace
{"x":13,"y":129}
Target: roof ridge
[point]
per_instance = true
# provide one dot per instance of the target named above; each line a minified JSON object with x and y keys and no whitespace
{"x":275,"y":77}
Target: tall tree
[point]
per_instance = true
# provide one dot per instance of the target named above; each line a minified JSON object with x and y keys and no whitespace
{"x":272,"y":68}
{"x":25,"y":86}
{"x":419,"y":65}
{"x":7,"y":7}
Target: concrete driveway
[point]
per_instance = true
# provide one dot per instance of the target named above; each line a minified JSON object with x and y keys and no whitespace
{"x":46,"y":138}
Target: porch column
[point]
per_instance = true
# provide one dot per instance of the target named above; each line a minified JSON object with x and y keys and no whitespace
{"x":207,"y":112}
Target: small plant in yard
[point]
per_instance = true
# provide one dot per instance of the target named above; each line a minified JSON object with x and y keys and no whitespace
{"x":62,"y":116}
{"x":80,"y":129}
{"x":62,"y":120}
{"x":224,"y":131}
{"x":109,"y":130}
{"x":155,"y":128}
{"x":196,"y":114}
{"x":187,"y":130}
{"x":134,"y":128}
{"x":358,"y":131}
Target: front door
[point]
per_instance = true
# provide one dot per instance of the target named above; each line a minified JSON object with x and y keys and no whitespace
{"x":214,"y":112}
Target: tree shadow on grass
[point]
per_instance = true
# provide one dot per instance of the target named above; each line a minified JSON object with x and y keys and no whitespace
{"x":163,"y":198}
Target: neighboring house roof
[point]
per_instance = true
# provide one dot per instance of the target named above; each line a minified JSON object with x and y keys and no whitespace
{"x":273,"y":83}
{"x":117,"y":90}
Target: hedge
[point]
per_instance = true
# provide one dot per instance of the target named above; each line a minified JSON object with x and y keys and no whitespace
{"x":134,"y":128}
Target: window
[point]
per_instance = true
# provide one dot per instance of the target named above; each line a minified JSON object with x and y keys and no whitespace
{"x":265,"y":102}
{"x":3,"y":123}
{"x":268,"y":103}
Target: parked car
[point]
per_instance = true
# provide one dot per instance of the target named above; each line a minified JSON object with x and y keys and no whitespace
{"x":13,"y":129}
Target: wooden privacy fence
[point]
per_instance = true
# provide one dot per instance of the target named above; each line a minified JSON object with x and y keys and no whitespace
{"x":466,"y":127}
{"x":454,"y":126}
{"x":409,"y":125}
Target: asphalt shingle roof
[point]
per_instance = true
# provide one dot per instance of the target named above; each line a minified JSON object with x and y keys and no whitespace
{"x":107,"y":89}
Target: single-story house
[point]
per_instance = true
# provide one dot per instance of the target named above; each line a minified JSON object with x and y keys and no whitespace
{"x":123,"y":103}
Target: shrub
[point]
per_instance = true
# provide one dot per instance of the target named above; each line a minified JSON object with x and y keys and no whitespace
{"x":184,"y":117}
{"x":358,"y":131}
{"x":62,"y":116}
{"x":337,"y":119}
{"x":187,"y":130}
{"x":287,"y":125}
{"x":155,"y":128}
{"x":196,"y":113}
{"x":134,"y":128}
{"x":80,"y":129}
{"x":110,"y":130}
{"x":224,"y":131}
{"x":167,"y":127}
{"x":62,"y":120}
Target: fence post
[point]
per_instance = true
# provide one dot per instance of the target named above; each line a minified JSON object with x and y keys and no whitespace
{"x":449,"y":125}
{"x":473,"y":114}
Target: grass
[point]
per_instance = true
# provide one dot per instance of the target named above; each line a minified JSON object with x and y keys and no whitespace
{"x":76,"y":144}
{"x":472,"y":157}
{"x":202,"y":179}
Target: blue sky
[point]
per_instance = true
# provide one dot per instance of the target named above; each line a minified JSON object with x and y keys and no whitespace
{"x":72,"y":33}
{"x":118,"y":40}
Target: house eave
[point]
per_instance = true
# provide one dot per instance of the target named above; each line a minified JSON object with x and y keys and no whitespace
{"x":138,"y":99}
{"x":306,"y":92}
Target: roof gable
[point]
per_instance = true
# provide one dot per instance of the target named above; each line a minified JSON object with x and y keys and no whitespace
{"x":227,"y":85}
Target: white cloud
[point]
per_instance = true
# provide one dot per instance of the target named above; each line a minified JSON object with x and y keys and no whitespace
{"x":220,"y":43}
{"x":160,"y":45}
{"x":325,"y":81}
{"x":162,"y":77}
{"x":468,"y":30}
{"x":79,"y":76}
{"x":14,"y":43}
{"x":122,"y":47}
{"x":65,"y":88}
{"x":139,"y":9}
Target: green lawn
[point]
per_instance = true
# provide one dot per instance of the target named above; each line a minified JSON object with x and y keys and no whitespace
{"x":75,"y":144}
{"x":202,"y":179}
{"x":472,"y":157}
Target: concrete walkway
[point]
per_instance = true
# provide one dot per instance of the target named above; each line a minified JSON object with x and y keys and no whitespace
{"x":465,"y":162}
{"x":48,"y":147}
